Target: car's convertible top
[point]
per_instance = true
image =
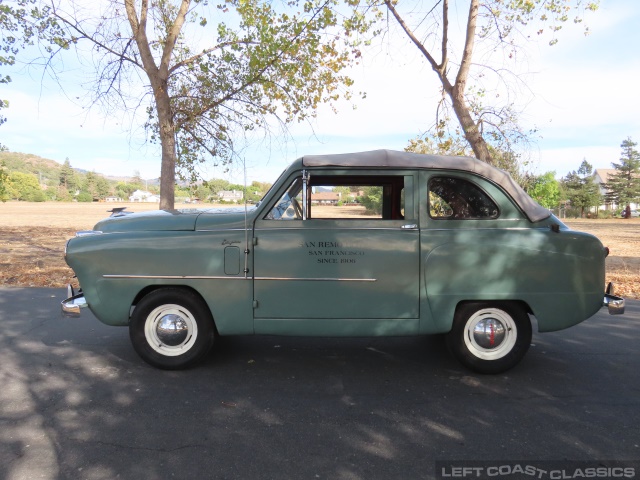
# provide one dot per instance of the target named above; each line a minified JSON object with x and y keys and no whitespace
{"x":396,"y":159}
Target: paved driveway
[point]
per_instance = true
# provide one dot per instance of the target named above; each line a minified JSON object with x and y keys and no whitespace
{"x":76,"y":402}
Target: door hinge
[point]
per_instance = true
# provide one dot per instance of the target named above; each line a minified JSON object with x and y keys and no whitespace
{"x":255,"y":304}
{"x":255,"y":241}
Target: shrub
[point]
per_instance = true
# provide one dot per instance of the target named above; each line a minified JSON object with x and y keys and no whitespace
{"x":84,"y":197}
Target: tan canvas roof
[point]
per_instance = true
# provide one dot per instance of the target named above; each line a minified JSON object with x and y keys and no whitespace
{"x":396,"y":159}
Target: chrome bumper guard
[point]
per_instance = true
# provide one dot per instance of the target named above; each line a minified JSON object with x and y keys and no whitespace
{"x":72,"y":305}
{"x":612,"y":302}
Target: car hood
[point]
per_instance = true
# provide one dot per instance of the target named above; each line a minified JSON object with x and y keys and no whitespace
{"x":175,"y":220}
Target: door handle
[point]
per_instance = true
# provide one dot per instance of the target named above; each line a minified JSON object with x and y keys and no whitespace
{"x":409,"y":226}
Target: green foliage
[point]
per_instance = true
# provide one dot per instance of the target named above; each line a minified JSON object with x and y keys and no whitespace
{"x":469,"y":115}
{"x":545,"y":189}
{"x":68,"y":176}
{"x":4,"y":182}
{"x":279,"y":65}
{"x":580,"y":188}
{"x":25,"y":186}
{"x":124,"y":190}
{"x":84,"y":197}
{"x":47,"y":171}
{"x":623,"y":186}
{"x":372,"y":199}
{"x":264,"y":64}
{"x":442,"y":143}
{"x":439,"y":143}
{"x":62,"y":181}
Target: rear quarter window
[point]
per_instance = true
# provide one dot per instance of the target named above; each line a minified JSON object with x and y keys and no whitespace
{"x":459,"y":199}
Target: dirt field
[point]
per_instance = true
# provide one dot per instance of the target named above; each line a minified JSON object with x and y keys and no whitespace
{"x":33,"y":236}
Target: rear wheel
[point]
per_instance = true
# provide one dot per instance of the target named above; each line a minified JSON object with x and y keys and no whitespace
{"x":490,"y":337}
{"x":172,"y":328}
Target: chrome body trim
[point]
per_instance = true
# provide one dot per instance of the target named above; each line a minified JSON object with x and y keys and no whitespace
{"x":180,"y":277}
{"x":72,"y":305}
{"x":210,"y":277}
{"x":221,"y":230}
{"x":301,"y":279}
{"x":86,"y":233}
{"x":318,"y":227}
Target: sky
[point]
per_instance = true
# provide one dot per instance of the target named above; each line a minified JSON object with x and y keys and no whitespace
{"x":580,"y":94}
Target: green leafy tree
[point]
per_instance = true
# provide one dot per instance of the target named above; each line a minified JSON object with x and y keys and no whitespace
{"x":201,"y":191}
{"x":62,"y":194}
{"x":26,"y":187}
{"x":137,"y":178}
{"x":444,"y":144}
{"x":261,"y":67}
{"x":84,"y":197}
{"x":103,"y":187}
{"x":623,"y":187}
{"x":217,"y":185}
{"x":89,"y":184}
{"x":4,"y":182}
{"x":372,"y":199}
{"x":124,"y":190}
{"x":493,"y":30}
{"x":581,"y":189}
{"x":67,"y":175}
{"x":545,"y":189}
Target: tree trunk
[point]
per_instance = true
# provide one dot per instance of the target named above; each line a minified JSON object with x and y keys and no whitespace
{"x":158,"y":77}
{"x":469,"y":127}
{"x":168,"y":143}
{"x":455,"y":91}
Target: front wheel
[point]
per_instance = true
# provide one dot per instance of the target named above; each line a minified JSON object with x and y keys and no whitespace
{"x":490,"y":337}
{"x":172,"y":329}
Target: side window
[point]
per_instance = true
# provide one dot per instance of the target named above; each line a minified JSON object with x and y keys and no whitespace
{"x":455,"y":198}
{"x":352,"y":197}
{"x":288,"y":207}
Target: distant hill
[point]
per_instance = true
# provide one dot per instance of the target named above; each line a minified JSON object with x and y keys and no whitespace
{"x":48,"y":171}
{"x":45,"y":169}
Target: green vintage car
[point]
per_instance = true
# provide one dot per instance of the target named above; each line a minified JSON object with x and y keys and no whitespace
{"x":375,"y":243}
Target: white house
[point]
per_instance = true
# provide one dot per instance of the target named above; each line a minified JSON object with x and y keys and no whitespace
{"x":326,"y":198}
{"x":231,"y":195}
{"x":142,"y":196}
{"x":601,"y":176}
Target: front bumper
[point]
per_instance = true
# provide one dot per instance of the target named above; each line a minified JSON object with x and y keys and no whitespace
{"x":614,"y":303}
{"x":72,"y":305}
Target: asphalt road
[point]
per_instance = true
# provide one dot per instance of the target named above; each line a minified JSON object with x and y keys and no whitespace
{"x":76,"y":402}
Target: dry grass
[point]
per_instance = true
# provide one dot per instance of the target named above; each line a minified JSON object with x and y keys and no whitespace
{"x":33,"y":236}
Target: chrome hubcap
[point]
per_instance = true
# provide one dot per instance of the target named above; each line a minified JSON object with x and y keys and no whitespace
{"x":489,"y":333}
{"x":171,"y":330}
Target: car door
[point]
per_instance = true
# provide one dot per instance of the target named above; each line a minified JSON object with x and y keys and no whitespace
{"x":347,"y":250}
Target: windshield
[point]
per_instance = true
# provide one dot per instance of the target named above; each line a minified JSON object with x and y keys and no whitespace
{"x":271,"y":188}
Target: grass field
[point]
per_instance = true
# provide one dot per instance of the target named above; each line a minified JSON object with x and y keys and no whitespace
{"x":33,"y":236}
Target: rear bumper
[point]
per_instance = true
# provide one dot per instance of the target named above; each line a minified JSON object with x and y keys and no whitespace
{"x":72,"y":305}
{"x":612,"y":302}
